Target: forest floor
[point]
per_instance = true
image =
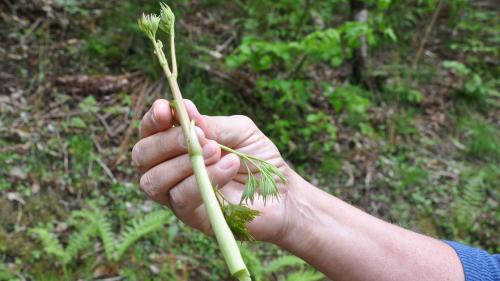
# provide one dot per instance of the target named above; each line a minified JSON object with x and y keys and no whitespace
{"x":75,"y":81}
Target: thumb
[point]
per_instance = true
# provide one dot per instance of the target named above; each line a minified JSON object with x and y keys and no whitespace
{"x":227,"y":130}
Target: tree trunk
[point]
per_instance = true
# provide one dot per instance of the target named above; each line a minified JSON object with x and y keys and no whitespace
{"x":360,"y":55}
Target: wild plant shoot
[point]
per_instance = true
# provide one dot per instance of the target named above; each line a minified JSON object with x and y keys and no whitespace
{"x":227,"y":219}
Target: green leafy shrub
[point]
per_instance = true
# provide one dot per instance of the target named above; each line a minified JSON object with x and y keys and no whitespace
{"x":482,"y":139}
{"x":351,"y":99}
{"x":472,"y":86}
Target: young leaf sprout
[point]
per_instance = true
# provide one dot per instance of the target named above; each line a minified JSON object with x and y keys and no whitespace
{"x":265,"y":186}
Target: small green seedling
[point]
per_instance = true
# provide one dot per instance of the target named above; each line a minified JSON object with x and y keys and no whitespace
{"x":227,"y":219}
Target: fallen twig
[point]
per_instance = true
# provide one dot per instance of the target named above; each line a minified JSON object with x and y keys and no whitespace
{"x":427,"y":33}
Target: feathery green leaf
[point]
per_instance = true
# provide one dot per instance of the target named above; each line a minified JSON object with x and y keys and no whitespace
{"x":139,"y":228}
{"x":237,"y":216}
{"x":51,"y":244}
{"x":282,"y":262}
{"x":80,"y":240}
{"x":308,"y":275}
{"x":265,"y":186}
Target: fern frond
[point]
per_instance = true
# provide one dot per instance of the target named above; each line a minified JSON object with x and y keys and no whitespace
{"x":282,"y":262}
{"x":102,"y":227}
{"x":85,"y":214}
{"x":106,"y":233}
{"x":139,"y":228}
{"x":469,"y":206}
{"x":80,"y":240}
{"x":253,"y":263}
{"x":308,"y":275}
{"x":51,"y":244}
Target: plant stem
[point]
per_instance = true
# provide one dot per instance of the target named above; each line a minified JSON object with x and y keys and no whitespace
{"x":239,"y":154}
{"x":173,"y":55}
{"x":223,"y":234}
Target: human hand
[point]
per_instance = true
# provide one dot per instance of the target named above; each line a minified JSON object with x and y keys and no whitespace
{"x":168,"y":178}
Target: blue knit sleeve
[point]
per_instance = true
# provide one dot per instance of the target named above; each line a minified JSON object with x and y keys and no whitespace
{"x":478,"y":265}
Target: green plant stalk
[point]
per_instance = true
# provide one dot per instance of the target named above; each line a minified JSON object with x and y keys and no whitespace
{"x":223,"y":234}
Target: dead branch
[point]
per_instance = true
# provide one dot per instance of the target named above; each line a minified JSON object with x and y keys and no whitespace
{"x":427,"y":33}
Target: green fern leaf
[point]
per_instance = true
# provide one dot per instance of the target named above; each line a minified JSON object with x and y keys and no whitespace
{"x":469,"y":206}
{"x":308,"y":275}
{"x":51,"y":244}
{"x":138,"y":229}
{"x":253,"y":263}
{"x":80,"y":240}
{"x":106,"y":233}
{"x":282,"y":262}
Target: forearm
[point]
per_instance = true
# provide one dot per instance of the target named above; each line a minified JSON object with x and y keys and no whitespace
{"x":347,"y":244}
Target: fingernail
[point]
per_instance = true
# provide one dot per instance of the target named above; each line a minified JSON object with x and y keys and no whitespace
{"x":208,"y":150}
{"x":154,"y":116}
{"x":225,"y":163}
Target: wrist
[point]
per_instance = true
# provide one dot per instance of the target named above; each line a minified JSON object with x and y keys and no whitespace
{"x":299,"y":213}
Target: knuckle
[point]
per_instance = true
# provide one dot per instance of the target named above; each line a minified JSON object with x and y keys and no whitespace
{"x":137,"y":160}
{"x":143,"y":125}
{"x":206,"y":228}
{"x":168,"y":139}
{"x":146,"y":185}
{"x":245,"y":121}
{"x":177,"y":199}
{"x":136,"y":155}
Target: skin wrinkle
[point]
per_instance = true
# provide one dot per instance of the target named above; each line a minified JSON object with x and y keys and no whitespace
{"x":221,"y":135}
{"x":176,"y":198}
{"x":135,"y":157}
{"x":182,"y":166}
{"x":146,"y":185}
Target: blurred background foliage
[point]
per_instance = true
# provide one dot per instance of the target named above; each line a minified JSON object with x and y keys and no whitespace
{"x":390,"y":105}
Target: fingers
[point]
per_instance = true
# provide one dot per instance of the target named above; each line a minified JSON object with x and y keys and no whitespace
{"x":186,"y":201}
{"x":185,"y":196}
{"x":161,"y":147}
{"x":157,"y":181}
{"x":227,"y":130}
{"x":198,"y":219}
{"x":157,"y":119}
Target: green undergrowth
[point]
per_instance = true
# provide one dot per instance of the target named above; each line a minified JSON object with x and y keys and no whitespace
{"x":418,"y":147}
